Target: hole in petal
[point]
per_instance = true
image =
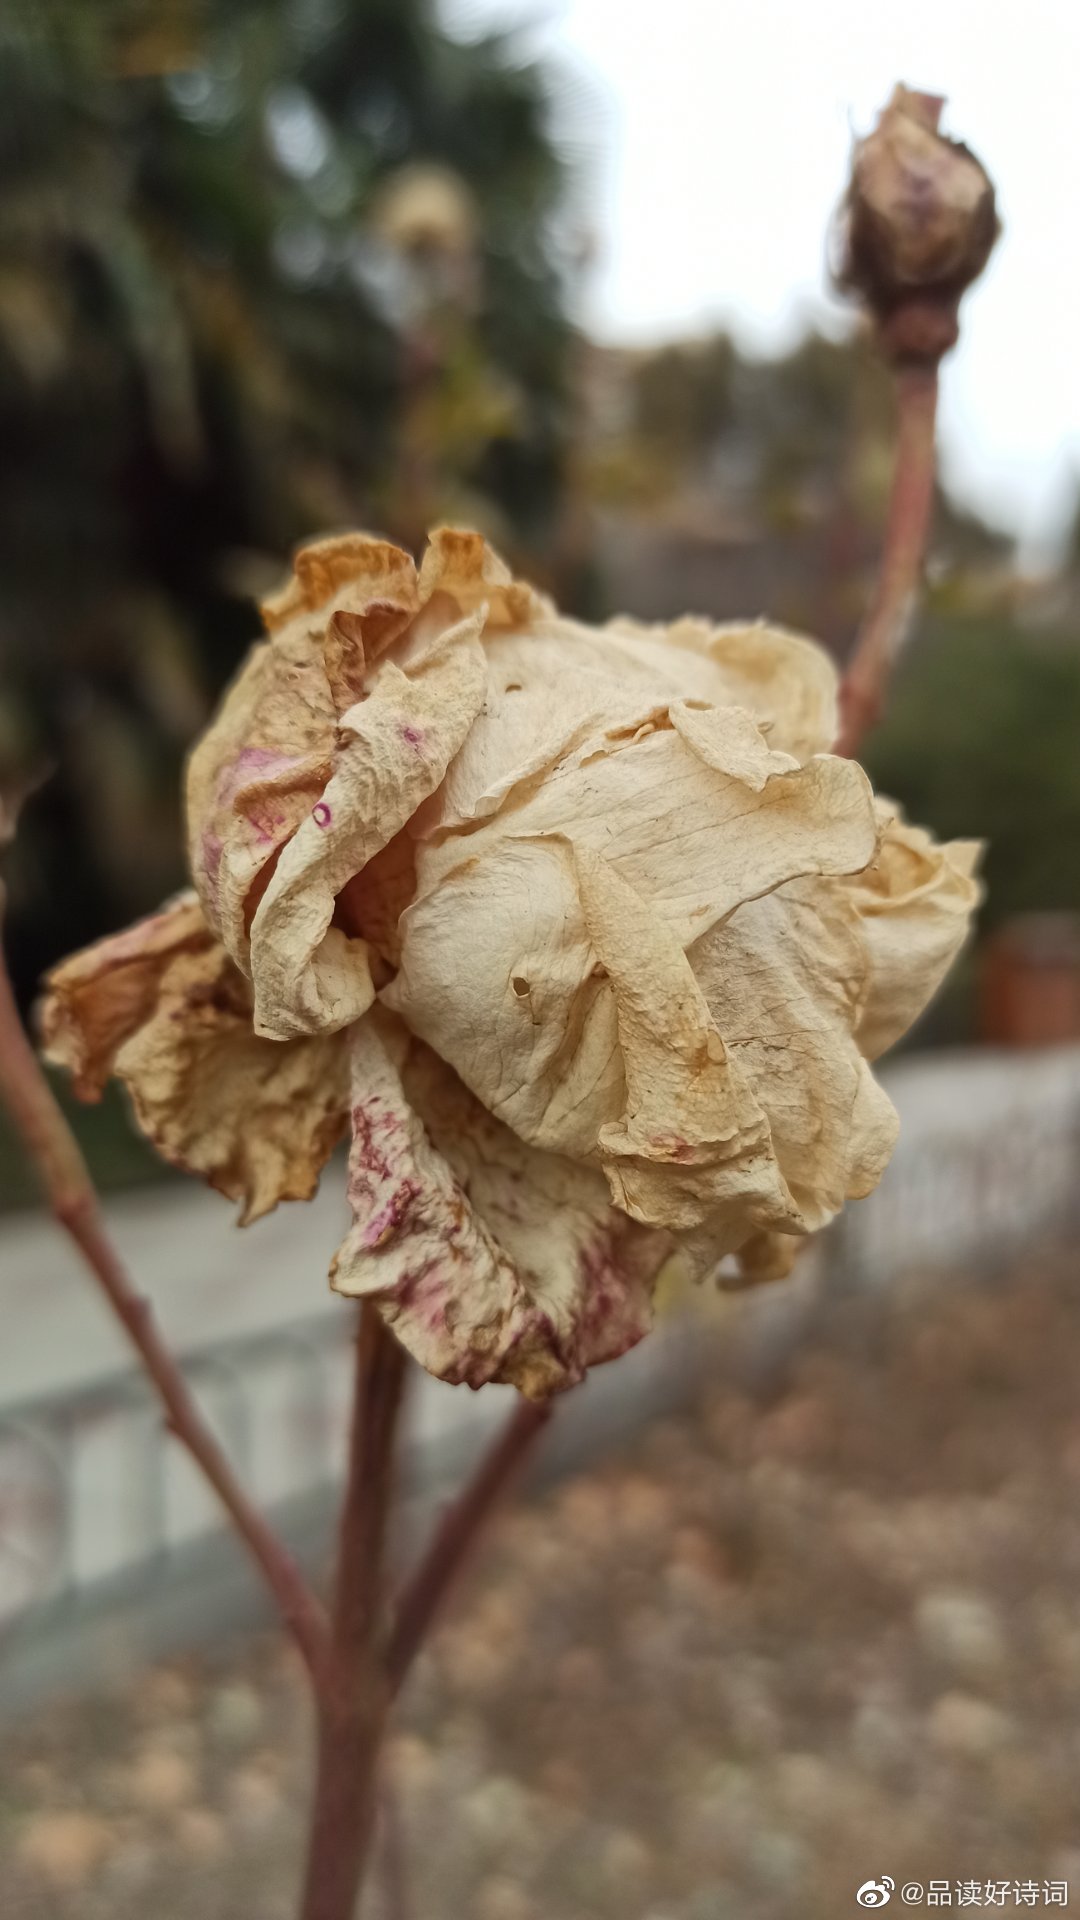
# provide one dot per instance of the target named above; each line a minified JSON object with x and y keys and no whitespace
{"x":512,"y":686}
{"x":520,"y":985}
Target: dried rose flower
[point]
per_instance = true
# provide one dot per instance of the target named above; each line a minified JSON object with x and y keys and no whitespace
{"x":582,"y":932}
{"x":919,"y":223}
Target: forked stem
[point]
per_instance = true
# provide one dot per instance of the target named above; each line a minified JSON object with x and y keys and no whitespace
{"x":456,"y":1535}
{"x":355,"y":1699}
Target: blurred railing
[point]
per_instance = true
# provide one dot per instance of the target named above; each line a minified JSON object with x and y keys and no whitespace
{"x":92,"y":1489}
{"x":111,"y":1545}
{"x":102,"y":1518}
{"x":956,"y":1199}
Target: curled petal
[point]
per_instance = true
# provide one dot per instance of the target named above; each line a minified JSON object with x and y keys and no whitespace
{"x":354,"y":612}
{"x":394,"y":748}
{"x":96,"y":999}
{"x":257,"y":1120}
{"x":355,"y":574}
{"x":764,"y":1257}
{"x":915,"y":904}
{"x":163,"y":1007}
{"x":786,"y":681}
{"x":784,"y":978}
{"x":461,"y":564}
{"x":263,"y":763}
{"x":254,"y":776}
{"x":694,"y":810}
{"x":523,"y":1014}
{"x":694,"y":816}
{"x":490,"y":1261}
{"x":691,"y":1150}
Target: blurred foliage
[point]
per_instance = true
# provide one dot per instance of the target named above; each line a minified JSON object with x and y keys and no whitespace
{"x":269,"y":267}
{"x":980,"y":742}
{"x":265,"y":268}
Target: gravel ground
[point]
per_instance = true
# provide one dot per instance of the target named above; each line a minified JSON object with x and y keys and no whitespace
{"x":823,"y":1628}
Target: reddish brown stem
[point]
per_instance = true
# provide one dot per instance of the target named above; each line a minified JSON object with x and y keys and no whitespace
{"x":53,"y":1150}
{"x":395,"y":1880}
{"x":456,"y":1535}
{"x":355,"y":1699}
{"x":884,"y":629}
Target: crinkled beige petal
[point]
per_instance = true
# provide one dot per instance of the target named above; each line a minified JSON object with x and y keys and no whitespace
{"x":521,"y":1009}
{"x":256,"y":1119}
{"x":915,"y":904}
{"x":489,"y":1261}
{"x":266,"y":757}
{"x":163,"y":1007}
{"x":524,"y":1014}
{"x":557,"y":685}
{"x":255,"y":775}
{"x":461,"y":564}
{"x":259,"y":774}
{"x":96,"y":999}
{"x":697,"y":813}
{"x":786,"y":681}
{"x":784,"y":979}
{"x":763,"y":1258}
{"x":691,"y":1149}
{"x":395,"y":746}
{"x":352,"y":573}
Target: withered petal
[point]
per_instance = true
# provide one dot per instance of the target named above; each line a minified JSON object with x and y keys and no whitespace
{"x":915,"y":904}
{"x":394,"y":748}
{"x":488,"y":1260}
{"x":99,"y":997}
{"x":163,"y":1008}
{"x":256,"y":1119}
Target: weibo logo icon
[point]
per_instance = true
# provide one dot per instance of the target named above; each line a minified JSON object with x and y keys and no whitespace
{"x":876,"y":1893}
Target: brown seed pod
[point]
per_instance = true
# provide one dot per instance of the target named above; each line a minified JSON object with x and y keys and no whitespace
{"x":918,"y":224}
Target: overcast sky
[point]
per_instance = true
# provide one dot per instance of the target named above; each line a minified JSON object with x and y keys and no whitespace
{"x":715,"y":138}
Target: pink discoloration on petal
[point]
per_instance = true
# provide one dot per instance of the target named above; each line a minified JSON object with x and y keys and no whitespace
{"x":490,"y":1261}
{"x":389,"y":1218}
{"x":212,"y":848}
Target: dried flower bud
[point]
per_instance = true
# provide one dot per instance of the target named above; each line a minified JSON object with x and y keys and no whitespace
{"x":581,"y":932}
{"x":919,"y":223}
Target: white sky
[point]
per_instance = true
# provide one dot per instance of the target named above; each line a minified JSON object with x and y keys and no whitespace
{"x":715,"y":139}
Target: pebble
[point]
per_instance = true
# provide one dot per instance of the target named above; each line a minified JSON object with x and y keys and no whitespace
{"x":641,"y":1508}
{"x":805,"y":1786}
{"x":411,"y":1763}
{"x":801,"y":1428}
{"x":777,"y":1860}
{"x":965,"y":1727}
{"x":501,"y":1898}
{"x":166,"y":1694}
{"x":627,"y":1862}
{"x":963,"y":1631}
{"x":64,"y":1849}
{"x":235,"y":1716}
{"x":128,"y":1871}
{"x":253,"y":1799}
{"x":499,"y":1812}
{"x":162,"y":1780}
{"x":881,"y":1734}
{"x":201,"y":1835}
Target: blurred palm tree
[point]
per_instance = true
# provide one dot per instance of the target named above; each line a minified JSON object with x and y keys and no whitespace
{"x":264,"y":269}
